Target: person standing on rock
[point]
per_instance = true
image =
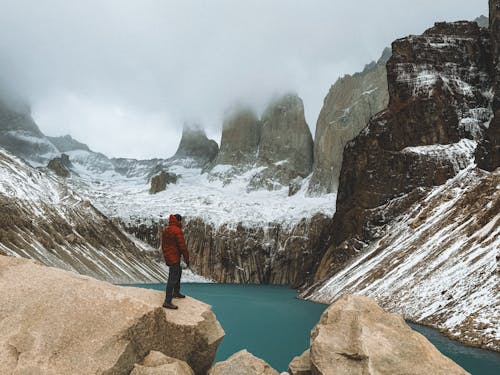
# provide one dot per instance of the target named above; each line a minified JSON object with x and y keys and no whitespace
{"x":173,"y":246}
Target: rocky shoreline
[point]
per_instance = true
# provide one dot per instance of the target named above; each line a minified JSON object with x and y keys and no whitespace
{"x":53,"y":322}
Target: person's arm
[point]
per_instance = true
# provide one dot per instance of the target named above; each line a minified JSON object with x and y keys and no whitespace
{"x":181,"y":243}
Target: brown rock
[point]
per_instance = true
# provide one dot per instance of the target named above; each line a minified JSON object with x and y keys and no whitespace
{"x":301,"y":365}
{"x":60,"y":166}
{"x":57,"y":322}
{"x":161,"y":180}
{"x":242,"y":363}
{"x":157,"y":363}
{"x":356,"y":336}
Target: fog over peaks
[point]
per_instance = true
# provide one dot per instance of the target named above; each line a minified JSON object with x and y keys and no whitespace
{"x":124,"y":76}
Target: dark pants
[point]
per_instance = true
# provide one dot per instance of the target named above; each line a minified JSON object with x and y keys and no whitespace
{"x":174,"y":281}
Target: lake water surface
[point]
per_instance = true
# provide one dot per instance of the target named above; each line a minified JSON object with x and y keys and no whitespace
{"x":271,"y":323}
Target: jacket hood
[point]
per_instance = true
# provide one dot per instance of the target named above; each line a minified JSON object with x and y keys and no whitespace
{"x":172,"y":220}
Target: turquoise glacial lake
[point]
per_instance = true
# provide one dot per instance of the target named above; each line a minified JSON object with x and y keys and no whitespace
{"x":271,"y":323}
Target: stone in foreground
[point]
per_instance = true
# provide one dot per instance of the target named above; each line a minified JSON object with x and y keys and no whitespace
{"x":157,"y":363}
{"x":301,"y":365}
{"x":356,"y":336}
{"x":57,"y":322}
{"x":242,"y":363}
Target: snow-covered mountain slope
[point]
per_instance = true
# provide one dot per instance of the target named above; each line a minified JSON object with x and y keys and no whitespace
{"x":197,"y":195}
{"x":438,"y":263}
{"x":43,"y":219}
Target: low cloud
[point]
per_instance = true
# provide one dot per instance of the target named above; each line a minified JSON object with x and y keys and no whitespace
{"x":122,"y":76}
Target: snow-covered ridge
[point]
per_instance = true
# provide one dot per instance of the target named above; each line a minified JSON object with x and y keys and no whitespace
{"x":201,"y":196}
{"x":437,"y":263}
{"x":44,"y":219}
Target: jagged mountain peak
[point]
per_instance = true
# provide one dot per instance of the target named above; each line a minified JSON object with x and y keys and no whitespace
{"x":195,"y":145}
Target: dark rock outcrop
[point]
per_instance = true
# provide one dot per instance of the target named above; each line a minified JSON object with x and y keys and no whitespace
{"x":240,"y":138}
{"x":488,"y":151}
{"x":438,"y":85}
{"x":195,"y":145}
{"x":60,"y":166}
{"x":161,"y":180}
{"x":350,"y":103}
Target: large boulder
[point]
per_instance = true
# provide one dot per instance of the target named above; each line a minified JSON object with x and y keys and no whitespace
{"x":242,"y":363}
{"x":301,"y":365}
{"x":356,"y":336}
{"x":350,"y":103}
{"x":57,"y":322}
{"x":196,"y":146}
{"x":157,"y":363}
{"x":161,"y":180}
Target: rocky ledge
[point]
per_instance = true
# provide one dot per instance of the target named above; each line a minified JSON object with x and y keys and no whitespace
{"x":57,"y":322}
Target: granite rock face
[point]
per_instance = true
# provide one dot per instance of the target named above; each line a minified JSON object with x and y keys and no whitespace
{"x":56,"y":322}
{"x":195,"y":145}
{"x":439,"y":104}
{"x":488,"y":152}
{"x":161,"y":180}
{"x":350,"y":103}
{"x":286,"y":139}
{"x":240,"y":138}
{"x":356,"y":336}
{"x":242,"y":363}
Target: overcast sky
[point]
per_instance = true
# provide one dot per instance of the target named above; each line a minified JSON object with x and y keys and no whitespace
{"x":123,"y":76}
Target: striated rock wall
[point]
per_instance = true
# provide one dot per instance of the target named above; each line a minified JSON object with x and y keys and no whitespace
{"x":43,"y":219}
{"x":488,"y":152}
{"x":272,"y":254}
{"x":350,"y":103}
{"x":439,"y":103}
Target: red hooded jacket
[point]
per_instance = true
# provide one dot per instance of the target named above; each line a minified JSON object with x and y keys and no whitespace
{"x":173,"y":243}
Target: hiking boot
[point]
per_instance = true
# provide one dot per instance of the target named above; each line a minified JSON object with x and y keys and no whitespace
{"x":179,"y":295}
{"x":169,"y":305}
